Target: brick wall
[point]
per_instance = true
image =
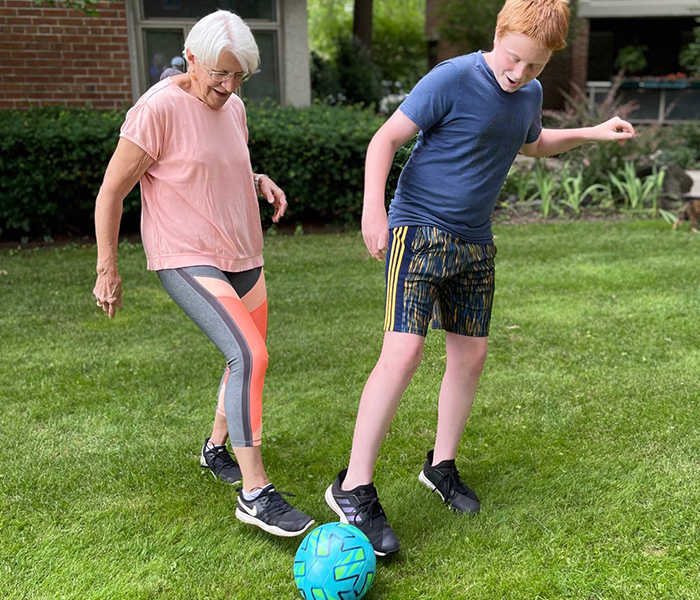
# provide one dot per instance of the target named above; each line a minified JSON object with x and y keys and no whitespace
{"x":59,"y":56}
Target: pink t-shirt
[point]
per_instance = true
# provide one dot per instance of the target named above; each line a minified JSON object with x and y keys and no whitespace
{"x":199,"y":205}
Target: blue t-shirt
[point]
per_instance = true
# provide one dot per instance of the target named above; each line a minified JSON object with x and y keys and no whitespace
{"x":470,"y":133}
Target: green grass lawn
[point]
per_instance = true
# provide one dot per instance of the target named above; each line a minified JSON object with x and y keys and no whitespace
{"x":583,"y":444}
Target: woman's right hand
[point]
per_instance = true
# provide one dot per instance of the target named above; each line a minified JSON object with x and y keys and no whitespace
{"x":108,"y":291}
{"x":127,"y":165}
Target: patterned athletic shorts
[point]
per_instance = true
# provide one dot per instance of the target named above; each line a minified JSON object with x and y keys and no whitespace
{"x":431,"y":274}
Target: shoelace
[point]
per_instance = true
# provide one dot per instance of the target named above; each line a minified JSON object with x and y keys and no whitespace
{"x":454,"y":484}
{"x":372,"y":508}
{"x":222,"y":459}
{"x":273,"y":503}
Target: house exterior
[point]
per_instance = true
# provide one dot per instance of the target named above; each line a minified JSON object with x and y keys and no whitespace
{"x":599,"y":31}
{"x":636,"y":8}
{"x":61,"y":56}
{"x":659,"y":30}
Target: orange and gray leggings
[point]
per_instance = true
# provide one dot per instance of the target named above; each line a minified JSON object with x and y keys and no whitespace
{"x":231,"y":309}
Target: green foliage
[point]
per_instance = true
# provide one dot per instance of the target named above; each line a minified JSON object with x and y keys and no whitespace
{"x":572,"y":192}
{"x":599,"y":159}
{"x":400,"y":159}
{"x":518,"y":184}
{"x":469,"y":26}
{"x":671,"y":143}
{"x":52,"y":161}
{"x":86,"y":6}
{"x":325,"y":86}
{"x":679,"y":143}
{"x":359,"y":79}
{"x":546,"y":185}
{"x":632,"y":59}
{"x":328,"y":21}
{"x":398,"y":59}
{"x":689,"y":56}
{"x":556,"y":188}
{"x":316,"y":154}
{"x":398,"y":45}
{"x":350,"y":78}
{"x":635,"y":191}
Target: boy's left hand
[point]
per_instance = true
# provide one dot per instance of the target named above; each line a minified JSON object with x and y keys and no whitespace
{"x":614,"y":130}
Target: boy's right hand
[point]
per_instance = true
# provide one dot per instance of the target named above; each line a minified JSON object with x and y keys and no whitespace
{"x":375,"y":231}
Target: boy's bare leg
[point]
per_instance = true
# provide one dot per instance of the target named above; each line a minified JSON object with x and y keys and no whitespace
{"x":401,"y":354}
{"x":465,"y":361}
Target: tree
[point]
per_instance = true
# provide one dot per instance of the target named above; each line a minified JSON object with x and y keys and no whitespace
{"x":362,"y":22}
{"x":468,"y":25}
{"x":398,"y":37}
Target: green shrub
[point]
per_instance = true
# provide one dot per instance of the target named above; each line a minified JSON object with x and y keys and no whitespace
{"x":680,"y":144}
{"x":316,"y":155}
{"x":398,"y":42}
{"x":52,"y":161}
{"x":351,"y":77}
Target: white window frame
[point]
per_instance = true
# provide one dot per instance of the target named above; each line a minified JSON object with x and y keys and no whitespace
{"x":137,"y":24}
{"x":598,"y":9}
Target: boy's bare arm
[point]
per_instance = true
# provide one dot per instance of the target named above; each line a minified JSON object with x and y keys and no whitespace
{"x":556,"y":141}
{"x":380,"y":155}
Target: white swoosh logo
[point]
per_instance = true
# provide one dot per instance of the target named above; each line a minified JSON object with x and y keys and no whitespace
{"x":253,"y":512}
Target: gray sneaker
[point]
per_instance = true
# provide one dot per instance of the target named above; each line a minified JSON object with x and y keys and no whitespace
{"x":272,"y":513}
{"x":219,"y":462}
{"x":444,"y":479}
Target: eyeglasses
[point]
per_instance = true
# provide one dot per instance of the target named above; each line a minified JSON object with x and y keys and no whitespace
{"x":221,"y":76}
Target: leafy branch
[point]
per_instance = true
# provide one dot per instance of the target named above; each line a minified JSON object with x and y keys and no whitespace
{"x":86,"y":6}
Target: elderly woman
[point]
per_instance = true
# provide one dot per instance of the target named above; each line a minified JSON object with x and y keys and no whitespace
{"x":185,"y":140}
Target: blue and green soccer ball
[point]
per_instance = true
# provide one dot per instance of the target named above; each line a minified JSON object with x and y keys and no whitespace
{"x":334,"y":562}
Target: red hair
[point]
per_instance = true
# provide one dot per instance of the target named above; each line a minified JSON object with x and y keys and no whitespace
{"x":546,"y":22}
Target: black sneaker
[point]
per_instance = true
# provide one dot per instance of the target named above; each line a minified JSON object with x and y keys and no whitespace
{"x":272,"y":513}
{"x":219,"y":462}
{"x":444,"y":479}
{"x":360,"y":507}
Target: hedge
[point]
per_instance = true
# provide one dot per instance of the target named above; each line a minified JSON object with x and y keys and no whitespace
{"x":52,"y":161}
{"x":316,"y":155}
{"x":51,"y":165}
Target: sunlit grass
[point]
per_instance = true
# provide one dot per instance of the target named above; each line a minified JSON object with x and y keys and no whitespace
{"x":583,"y":444}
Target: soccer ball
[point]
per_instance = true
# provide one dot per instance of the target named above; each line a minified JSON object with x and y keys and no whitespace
{"x":334,"y":562}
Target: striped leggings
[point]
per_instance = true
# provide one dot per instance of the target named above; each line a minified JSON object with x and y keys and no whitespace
{"x":231,"y":309}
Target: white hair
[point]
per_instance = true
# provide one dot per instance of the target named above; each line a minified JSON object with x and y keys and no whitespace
{"x":223,"y":31}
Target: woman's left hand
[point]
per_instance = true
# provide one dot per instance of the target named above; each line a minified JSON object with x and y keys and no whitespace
{"x":275,"y":196}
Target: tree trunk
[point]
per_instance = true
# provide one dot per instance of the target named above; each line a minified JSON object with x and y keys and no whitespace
{"x":362,"y":22}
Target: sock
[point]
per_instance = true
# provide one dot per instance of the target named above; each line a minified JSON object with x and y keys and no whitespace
{"x":255,"y":493}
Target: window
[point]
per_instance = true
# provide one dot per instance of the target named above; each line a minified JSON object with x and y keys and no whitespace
{"x":163,"y":49}
{"x":158,"y":29}
{"x":264,"y":10}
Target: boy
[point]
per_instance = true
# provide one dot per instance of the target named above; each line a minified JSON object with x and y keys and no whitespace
{"x":474,"y":114}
